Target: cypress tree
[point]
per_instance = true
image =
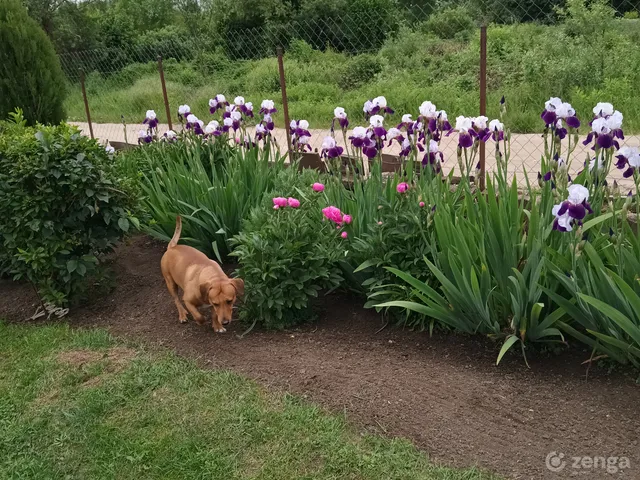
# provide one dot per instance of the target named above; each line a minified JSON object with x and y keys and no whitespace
{"x":30,"y":74}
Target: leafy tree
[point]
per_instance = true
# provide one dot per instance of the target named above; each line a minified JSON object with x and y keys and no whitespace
{"x":30,"y":73}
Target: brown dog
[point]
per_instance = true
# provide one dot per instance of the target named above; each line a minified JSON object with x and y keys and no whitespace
{"x":202,"y":282}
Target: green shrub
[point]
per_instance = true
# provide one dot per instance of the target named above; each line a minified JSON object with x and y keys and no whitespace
{"x":301,"y":51}
{"x":359,"y":70}
{"x":30,"y":75}
{"x":450,"y":23}
{"x":287,"y":255}
{"x":61,"y":206}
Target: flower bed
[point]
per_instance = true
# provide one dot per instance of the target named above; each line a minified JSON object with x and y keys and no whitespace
{"x":555,"y":261}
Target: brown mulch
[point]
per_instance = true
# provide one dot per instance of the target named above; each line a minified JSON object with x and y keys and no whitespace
{"x":444,"y":393}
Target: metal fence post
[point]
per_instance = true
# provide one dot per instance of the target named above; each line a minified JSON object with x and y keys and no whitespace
{"x":285,"y":103}
{"x":483,"y":97}
{"x":86,"y":103}
{"x":164,"y":92}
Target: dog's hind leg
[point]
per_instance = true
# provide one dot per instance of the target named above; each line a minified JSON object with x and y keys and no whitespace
{"x":173,"y":290}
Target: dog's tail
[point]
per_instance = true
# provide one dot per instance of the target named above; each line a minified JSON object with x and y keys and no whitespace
{"x":176,"y":235}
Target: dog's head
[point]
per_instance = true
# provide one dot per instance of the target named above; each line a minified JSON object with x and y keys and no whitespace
{"x":222,"y":295}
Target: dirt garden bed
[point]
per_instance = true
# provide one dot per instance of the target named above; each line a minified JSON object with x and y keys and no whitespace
{"x":443,"y":393}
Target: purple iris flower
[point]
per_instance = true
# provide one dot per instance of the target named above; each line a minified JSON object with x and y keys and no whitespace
{"x":213,"y":129}
{"x":406,"y":148}
{"x":194,"y":124}
{"x":340,"y":115}
{"x":144,"y":137}
{"x":151,"y":119}
{"x":434,"y":156}
{"x":359,"y":137}
{"x":267,"y":107}
{"x":377,"y":106}
{"x":496,"y":127}
{"x":573,"y":209}
{"x":217,"y":102}
{"x":629,"y":158}
{"x":466,"y":133}
{"x":183,"y":112}
{"x":246,"y":108}
{"x":555,"y":109}
{"x":606,"y":128}
{"x":268,"y":122}
{"x":370,"y":150}
{"x":300,"y":128}
{"x":377,"y":125}
{"x":330,"y":149}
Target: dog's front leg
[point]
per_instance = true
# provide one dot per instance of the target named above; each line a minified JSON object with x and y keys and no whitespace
{"x":215,"y":323}
{"x":197,"y":316}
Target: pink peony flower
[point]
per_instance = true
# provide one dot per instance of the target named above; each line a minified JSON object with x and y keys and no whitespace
{"x":421,"y":204}
{"x":333,"y":213}
{"x":402,"y":187}
{"x":279,"y":202}
{"x":318,"y":187}
{"x":293,"y":202}
{"x":344,"y":234}
{"x":347,"y":219}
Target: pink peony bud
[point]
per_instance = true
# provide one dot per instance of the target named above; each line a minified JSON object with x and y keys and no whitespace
{"x":347,"y":219}
{"x":421,"y":204}
{"x":280,"y":201}
{"x":402,"y":187}
{"x":293,"y":202}
{"x":379,"y":223}
{"x":318,"y":187}
{"x":344,"y":234}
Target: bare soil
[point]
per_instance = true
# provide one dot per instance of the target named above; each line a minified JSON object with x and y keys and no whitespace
{"x":444,"y":393}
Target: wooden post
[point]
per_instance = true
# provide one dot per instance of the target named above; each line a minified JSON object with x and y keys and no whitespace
{"x":86,"y":103}
{"x":285,"y":103}
{"x":483,"y":98}
{"x":164,"y":92}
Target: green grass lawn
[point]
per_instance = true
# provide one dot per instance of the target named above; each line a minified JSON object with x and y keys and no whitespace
{"x":79,"y":404}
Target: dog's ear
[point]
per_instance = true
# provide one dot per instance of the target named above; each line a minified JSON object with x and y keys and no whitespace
{"x":206,"y":287}
{"x":238,"y":284}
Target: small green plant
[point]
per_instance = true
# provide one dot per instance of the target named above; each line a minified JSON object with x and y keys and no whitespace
{"x":399,"y":239}
{"x":287,"y":255}
{"x":61,"y":206}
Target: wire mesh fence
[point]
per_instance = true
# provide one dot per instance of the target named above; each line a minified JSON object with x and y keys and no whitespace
{"x":582,"y":51}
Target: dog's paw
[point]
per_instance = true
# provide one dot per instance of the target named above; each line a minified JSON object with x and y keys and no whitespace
{"x":182,"y":320}
{"x":220,"y":330}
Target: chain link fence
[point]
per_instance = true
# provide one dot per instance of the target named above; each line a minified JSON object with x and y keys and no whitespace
{"x":582,"y":51}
